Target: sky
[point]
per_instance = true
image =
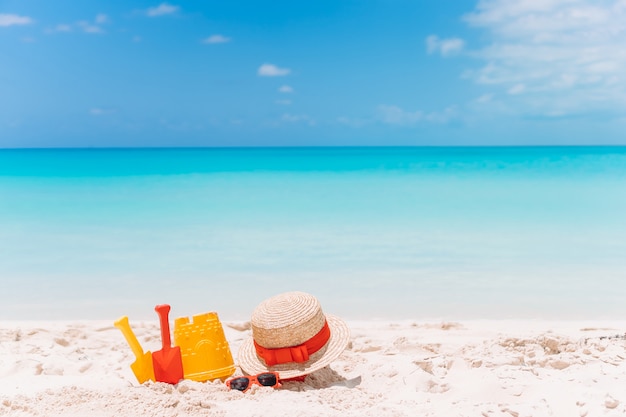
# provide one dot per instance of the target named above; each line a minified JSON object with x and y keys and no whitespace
{"x":326,"y":73}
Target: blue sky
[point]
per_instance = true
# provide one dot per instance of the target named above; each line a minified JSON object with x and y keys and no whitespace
{"x":285,"y":73}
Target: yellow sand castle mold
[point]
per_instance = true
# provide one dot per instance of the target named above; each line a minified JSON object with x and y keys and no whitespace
{"x":205,"y":351}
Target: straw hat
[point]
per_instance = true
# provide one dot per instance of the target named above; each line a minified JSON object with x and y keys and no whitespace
{"x":292,"y":336}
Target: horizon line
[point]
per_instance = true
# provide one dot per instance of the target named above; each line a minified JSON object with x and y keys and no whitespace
{"x":302,"y":147}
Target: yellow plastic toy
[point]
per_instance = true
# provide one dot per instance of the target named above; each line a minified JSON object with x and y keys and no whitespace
{"x":142,"y":367}
{"x":205,"y":351}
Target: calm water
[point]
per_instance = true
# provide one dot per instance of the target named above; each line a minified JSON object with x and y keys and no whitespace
{"x":373,"y":232}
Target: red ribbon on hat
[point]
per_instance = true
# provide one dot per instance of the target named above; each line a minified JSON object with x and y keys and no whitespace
{"x":299,"y":353}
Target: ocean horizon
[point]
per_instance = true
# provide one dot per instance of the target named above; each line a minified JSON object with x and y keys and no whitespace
{"x":374,"y":232}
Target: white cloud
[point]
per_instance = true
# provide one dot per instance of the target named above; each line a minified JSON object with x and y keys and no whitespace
{"x":270,"y":70}
{"x":353,"y":121}
{"x":102,"y":18}
{"x":485,"y":98}
{"x":517,"y":89}
{"x":97,"y":111}
{"x":213,"y":39}
{"x":162,"y":9}
{"x":83,"y":25}
{"x":445,"y":47}
{"x":87,"y":27}
{"x":565,"y":56}
{"x":63,"y":28}
{"x":303,"y":118}
{"x":14,"y":20}
{"x":285,"y":89}
{"x":394,"y":115}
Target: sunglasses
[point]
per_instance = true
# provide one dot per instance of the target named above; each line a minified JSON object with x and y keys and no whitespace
{"x":265,"y":379}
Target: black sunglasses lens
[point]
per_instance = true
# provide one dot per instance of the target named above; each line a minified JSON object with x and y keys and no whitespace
{"x":267,"y":380}
{"x":240,"y":384}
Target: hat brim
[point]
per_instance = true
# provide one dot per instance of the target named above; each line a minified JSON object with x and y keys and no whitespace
{"x":250,"y":363}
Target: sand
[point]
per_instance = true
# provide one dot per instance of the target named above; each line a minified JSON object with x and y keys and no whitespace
{"x":409,"y":368}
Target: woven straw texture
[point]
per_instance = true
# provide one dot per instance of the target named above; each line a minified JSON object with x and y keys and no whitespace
{"x":290,"y":319}
{"x":287,"y":320}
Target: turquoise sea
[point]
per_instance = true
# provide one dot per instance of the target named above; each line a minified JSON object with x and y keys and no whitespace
{"x":476,"y":232}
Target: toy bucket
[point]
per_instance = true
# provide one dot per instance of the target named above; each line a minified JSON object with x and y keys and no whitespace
{"x":203,"y":346}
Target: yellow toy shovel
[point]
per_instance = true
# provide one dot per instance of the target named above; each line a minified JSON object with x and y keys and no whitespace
{"x":142,"y":367}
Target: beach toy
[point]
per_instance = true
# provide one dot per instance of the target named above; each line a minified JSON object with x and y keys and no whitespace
{"x":205,"y":351}
{"x":142,"y":367}
{"x":168,"y":365}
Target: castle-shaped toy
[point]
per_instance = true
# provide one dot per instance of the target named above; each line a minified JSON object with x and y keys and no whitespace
{"x":203,"y":346}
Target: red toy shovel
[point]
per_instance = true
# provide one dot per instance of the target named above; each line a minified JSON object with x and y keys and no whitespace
{"x":168,"y":363}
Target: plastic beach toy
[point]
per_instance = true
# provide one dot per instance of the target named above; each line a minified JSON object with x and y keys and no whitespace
{"x":168,"y":365}
{"x":205,"y":351}
{"x":142,"y":367}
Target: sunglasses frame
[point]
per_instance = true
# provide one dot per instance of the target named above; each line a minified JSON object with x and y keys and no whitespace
{"x":253,"y":379}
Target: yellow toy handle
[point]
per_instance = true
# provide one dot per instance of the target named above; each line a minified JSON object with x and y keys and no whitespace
{"x":124,"y":326}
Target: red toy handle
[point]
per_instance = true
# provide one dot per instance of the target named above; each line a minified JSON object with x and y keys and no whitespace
{"x":163,"y":310}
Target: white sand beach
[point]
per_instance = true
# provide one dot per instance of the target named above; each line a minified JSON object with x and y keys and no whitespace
{"x":427,"y":368}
